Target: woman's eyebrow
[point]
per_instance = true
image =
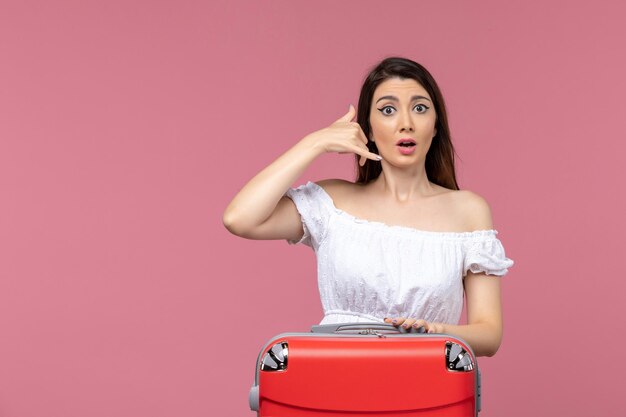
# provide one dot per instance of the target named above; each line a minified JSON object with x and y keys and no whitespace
{"x":394,"y":98}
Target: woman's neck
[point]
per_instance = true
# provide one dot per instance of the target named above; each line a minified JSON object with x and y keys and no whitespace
{"x":404,"y":185}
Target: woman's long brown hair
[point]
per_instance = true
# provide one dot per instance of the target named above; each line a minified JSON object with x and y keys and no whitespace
{"x":440,"y":157}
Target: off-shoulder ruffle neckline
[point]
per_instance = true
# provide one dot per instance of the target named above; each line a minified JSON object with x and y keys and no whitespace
{"x":381,"y":225}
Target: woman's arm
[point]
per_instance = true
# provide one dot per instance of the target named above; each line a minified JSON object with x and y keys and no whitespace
{"x":258,"y":199}
{"x":259,"y":210}
{"x":484,"y":315}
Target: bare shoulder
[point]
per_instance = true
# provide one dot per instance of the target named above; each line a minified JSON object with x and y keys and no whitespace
{"x":336,"y":187}
{"x":476,"y":210}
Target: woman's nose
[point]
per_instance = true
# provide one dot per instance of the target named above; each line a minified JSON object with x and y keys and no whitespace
{"x":406,"y":122}
{"x":406,"y":126}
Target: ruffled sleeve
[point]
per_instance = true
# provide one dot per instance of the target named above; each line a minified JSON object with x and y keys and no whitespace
{"x":485,"y":253}
{"x":314,"y":213}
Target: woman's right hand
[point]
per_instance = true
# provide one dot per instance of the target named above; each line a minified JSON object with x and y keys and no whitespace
{"x":343,"y":136}
{"x":262,"y":211}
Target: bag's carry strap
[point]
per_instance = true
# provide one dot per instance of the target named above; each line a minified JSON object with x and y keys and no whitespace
{"x":363,"y":328}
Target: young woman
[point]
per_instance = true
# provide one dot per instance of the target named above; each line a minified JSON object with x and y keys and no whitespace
{"x":402,"y":243}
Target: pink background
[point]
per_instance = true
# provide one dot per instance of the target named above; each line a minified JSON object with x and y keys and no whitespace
{"x":127,"y":126}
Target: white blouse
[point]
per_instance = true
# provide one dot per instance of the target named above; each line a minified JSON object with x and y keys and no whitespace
{"x":369,"y":270}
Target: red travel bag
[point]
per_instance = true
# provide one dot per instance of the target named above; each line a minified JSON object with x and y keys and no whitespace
{"x":365,"y":369}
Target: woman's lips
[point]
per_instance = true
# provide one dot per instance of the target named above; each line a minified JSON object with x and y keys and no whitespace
{"x":406,"y":150}
{"x":405,"y":141}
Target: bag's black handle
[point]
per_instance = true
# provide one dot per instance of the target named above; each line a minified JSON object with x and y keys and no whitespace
{"x":362,"y":328}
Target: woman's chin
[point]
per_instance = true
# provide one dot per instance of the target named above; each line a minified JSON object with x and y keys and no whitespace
{"x":404,"y":160}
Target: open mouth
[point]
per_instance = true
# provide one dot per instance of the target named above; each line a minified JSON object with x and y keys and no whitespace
{"x":406,"y":142}
{"x":406,"y":146}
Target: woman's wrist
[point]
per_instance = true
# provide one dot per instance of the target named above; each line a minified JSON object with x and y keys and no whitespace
{"x":311,"y":143}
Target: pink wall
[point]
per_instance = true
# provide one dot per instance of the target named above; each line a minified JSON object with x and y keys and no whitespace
{"x":127,"y":126}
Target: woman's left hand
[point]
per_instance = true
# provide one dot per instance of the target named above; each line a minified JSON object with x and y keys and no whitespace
{"x":416,"y":324}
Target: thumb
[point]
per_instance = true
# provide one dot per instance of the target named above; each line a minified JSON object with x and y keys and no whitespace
{"x":348,"y":116}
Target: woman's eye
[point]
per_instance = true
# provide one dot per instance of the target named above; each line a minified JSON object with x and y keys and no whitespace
{"x":422,"y":109}
{"x":385,"y":108}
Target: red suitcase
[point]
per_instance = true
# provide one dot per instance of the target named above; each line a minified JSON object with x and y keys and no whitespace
{"x":365,"y":369}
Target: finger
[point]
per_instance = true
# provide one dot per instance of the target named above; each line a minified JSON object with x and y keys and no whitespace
{"x":421,"y":323}
{"x":369,"y":155}
{"x":362,"y":161}
{"x":363,"y":151}
{"x":398,"y":321}
{"x":373,"y":156}
{"x":408,"y":323}
{"x":362,"y":135}
{"x":348,"y":116}
{"x":436,"y":328}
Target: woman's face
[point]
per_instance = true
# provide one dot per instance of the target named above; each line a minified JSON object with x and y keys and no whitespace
{"x":402,"y":109}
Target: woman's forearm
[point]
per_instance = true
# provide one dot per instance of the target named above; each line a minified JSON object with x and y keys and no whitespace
{"x":483,"y":338}
{"x":256,"y":201}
